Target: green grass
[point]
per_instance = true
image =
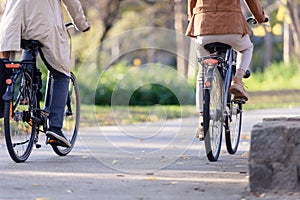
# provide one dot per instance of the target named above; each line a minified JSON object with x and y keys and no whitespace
{"x":273,"y":99}
{"x":107,"y":115}
{"x":278,"y":76}
{"x":277,"y":87}
{"x":119,"y":115}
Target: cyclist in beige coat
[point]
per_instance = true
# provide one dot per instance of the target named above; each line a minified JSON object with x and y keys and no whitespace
{"x":42,"y":20}
{"x":223,"y":21}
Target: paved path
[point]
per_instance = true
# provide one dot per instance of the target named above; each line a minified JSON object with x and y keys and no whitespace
{"x":142,"y":161}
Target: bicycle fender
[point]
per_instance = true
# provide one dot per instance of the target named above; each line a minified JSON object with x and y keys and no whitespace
{"x":209,"y":77}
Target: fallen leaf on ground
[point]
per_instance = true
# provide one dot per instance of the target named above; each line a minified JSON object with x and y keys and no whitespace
{"x":115,"y":162}
{"x":246,"y":154}
{"x":245,"y":137}
{"x":171,"y":183}
{"x":150,"y":179}
{"x":262,"y":195}
{"x":290,"y":193}
{"x":184,"y":157}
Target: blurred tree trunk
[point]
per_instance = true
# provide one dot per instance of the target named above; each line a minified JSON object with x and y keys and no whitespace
{"x":180,"y":20}
{"x":268,"y":44}
{"x":287,"y":43}
{"x":269,"y":47}
{"x":151,"y":40}
{"x":292,"y":7}
{"x":109,"y":11}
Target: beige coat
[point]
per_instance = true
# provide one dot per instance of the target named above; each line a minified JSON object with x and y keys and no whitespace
{"x":220,"y":17}
{"x":41,"y":20}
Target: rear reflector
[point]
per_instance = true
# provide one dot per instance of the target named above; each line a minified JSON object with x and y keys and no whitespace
{"x":8,"y":81}
{"x":207,"y":84}
{"x":210,"y":61}
{"x":12,"y":66}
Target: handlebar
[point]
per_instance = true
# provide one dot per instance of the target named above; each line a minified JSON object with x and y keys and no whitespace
{"x":253,"y":21}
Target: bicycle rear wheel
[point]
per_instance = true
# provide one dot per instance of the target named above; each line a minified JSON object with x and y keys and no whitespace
{"x":19,"y":128}
{"x":233,"y":124}
{"x":71,"y":118}
{"x":213,"y":118}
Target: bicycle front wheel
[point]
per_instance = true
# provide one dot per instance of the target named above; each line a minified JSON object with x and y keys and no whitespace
{"x":71,"y":118}
{"x":19,"y":128}
{"x":233,"y":124}
{"x":213,"y":118}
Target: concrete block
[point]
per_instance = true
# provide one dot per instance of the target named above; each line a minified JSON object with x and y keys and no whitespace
{"x":274,"y":158}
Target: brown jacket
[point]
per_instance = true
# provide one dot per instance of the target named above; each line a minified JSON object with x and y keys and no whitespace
{"x":218,"y":17}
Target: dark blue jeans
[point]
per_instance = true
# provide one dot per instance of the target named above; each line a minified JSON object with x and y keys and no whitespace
{"x":58,"y":94}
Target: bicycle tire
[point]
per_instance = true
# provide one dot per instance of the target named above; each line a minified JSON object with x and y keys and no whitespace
{"x":233,"y":125}
{"x":213,"y":118}
{"x":71,"y":118}
{"x":19,"y":128}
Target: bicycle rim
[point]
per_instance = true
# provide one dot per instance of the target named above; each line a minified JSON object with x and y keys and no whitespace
{"x":233,"y":127}
{"x":18,"y":126}
{"x":71,"y":118}
{"x":213,"y":118}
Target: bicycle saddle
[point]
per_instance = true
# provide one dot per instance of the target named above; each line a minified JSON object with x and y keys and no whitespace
{"x":30,"y":44}
{"x":217,"y":47}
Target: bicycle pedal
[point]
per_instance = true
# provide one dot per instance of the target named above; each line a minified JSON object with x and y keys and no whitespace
{"x":24,"y":101}
{"x":54,"y":142}
{"x":50,"y":141}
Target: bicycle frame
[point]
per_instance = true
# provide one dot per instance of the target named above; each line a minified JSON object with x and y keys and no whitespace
{"x":221,"y":110}
{"x":229,"y":72}
{"x":224,"y":65}
{"x":23,"y":117}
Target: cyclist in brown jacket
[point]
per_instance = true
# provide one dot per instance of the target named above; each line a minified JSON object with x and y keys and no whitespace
{"x":223,"y":21}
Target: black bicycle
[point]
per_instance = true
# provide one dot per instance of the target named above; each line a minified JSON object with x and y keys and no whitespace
{"x":24,"y":118}
{"x":220,"y":109}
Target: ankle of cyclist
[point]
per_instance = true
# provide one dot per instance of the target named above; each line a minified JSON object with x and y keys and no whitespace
{"x":240,"y":73}
{"x":200,"y":118}
{"x":54,"y":128}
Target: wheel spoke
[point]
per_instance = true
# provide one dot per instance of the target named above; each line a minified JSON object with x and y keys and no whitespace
{"x":233,"y":126}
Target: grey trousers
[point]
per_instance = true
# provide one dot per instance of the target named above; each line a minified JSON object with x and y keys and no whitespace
{"x":58,"y":94}
{"x":241,"y":44}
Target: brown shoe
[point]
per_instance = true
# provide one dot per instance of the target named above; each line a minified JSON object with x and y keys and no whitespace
{"x":237,"y":88}
{"x":200,"y":133}
{"x":200,"y":130}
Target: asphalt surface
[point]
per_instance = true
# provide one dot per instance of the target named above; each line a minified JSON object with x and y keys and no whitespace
{"x":142,"y":161}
